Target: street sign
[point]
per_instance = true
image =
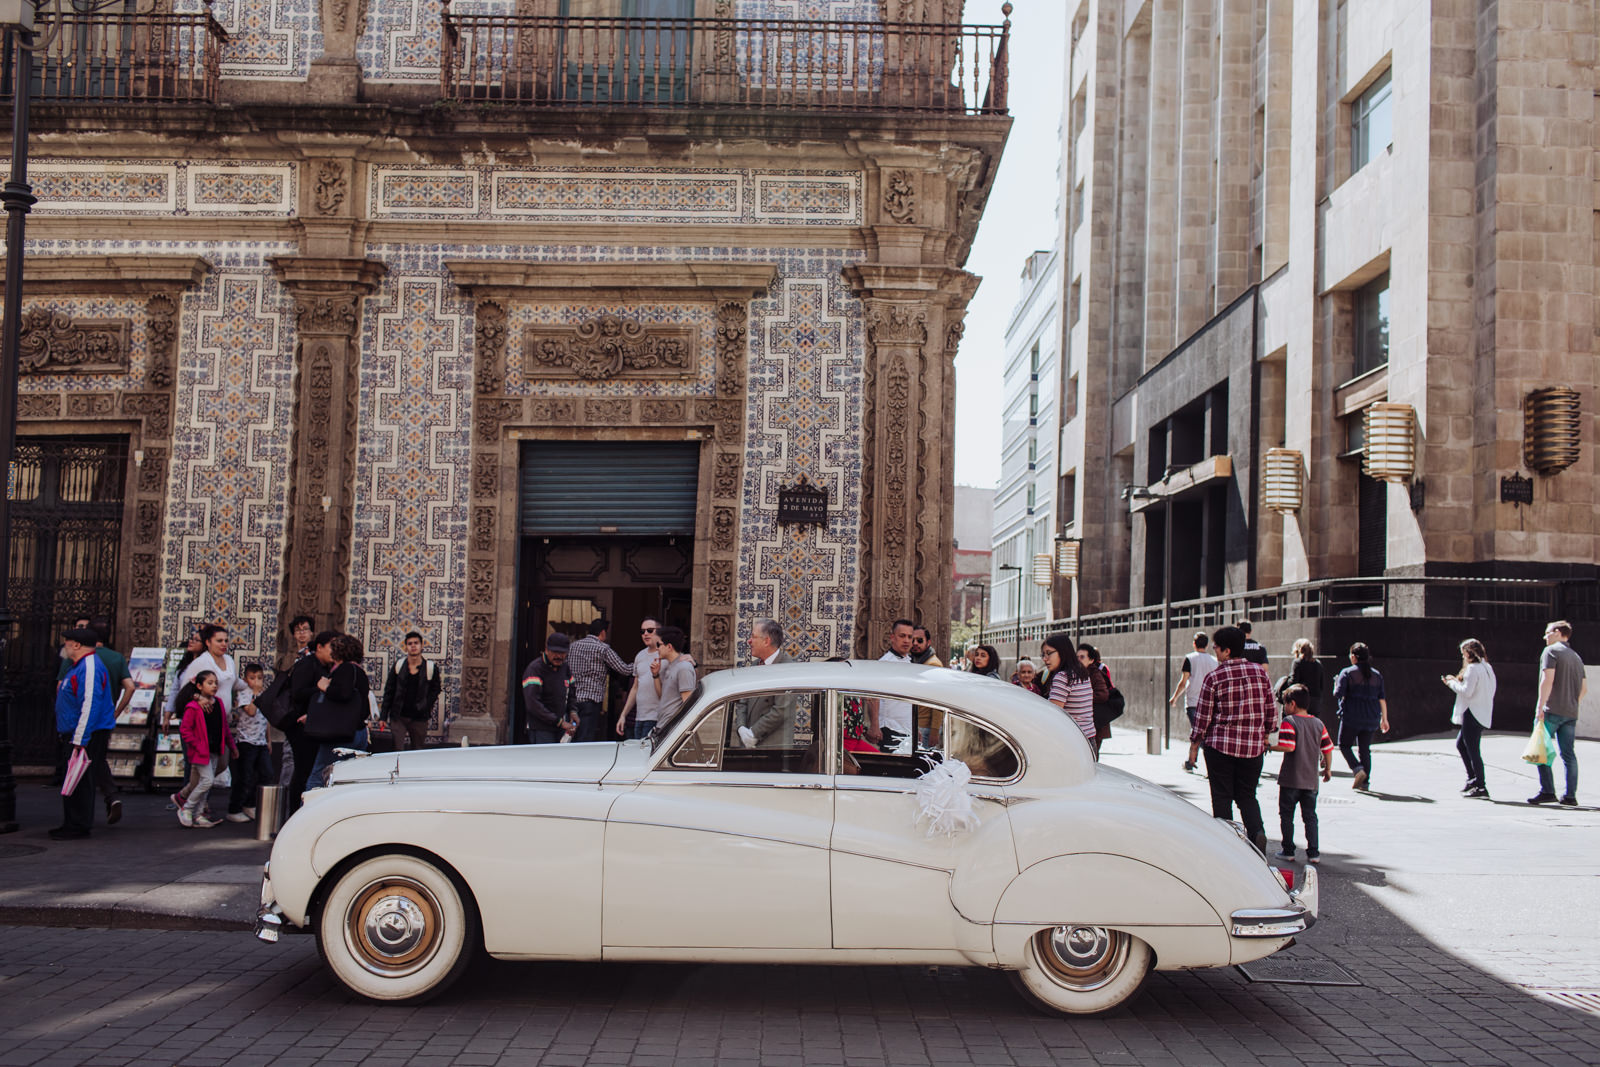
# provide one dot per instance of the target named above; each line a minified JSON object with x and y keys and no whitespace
{"x":803,"y":504}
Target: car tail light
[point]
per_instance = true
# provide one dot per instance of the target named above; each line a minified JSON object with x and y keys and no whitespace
{"x":1286,"y":877}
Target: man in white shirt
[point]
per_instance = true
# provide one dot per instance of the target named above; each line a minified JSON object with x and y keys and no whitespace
{"x":894,"y":716}
{"x":1196,"y":665}
{"x":642,"y":699}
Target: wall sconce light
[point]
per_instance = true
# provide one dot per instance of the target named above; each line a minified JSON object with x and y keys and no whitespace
{"x":1283,"y":480}
{"x":1390,"y":454}
{"x":1551,"y":426}
{"x":327,"y":503}
{"x":1068,"y":553}
{"x":1044,"y":569}
{"x":138,"y":457}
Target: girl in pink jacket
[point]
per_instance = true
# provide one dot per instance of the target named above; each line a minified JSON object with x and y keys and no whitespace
{"x":206,"y":743}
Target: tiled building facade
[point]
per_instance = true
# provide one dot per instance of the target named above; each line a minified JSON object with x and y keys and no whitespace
{"x":334,"y":313}
{"x":1280,"y":215}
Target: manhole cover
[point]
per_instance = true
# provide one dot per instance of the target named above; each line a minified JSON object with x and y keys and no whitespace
{"x":1584,"y":1000}
{"x":1297,"y":970}
{"x":11,"y":852}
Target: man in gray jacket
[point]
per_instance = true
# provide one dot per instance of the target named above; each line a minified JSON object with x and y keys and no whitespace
{"x":764,"y":715}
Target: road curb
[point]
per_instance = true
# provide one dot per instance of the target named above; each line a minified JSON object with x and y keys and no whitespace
{"x":114,"y":918}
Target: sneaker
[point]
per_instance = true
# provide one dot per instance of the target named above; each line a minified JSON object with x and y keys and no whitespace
{"x":1569,"y":802}
{"x":184,"y":817}
{"x":1478,"y":793}
{"x":1284,"y":854}
{"x":176,"y":800}
{"x":1313,"y":857}
{"x":250,"y":813}
{"x":1543,"y":798}
{"x":203,"y":822}
{"x":1470,"y":786}
{"x":237,"y":816}
{"x":113,"y":811}
{"x":1260,"y":841}
{"x":1360,"y":781}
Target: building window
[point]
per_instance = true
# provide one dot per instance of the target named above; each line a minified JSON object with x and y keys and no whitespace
{"x":1033,"y":452}
{"x":1069,"y":498}
{"x":1033,"y":361}
{"x":1071,"y":400}
{"x":1033,"y":406}
{"x":1371,"y":124}
{"x":1033,"y":497}
{"x":1372,"y":325}
{"x":1075,"y":302}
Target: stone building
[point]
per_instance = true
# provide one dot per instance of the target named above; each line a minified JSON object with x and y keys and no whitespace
{"x":1289,"y":224}
{"x":486,"y":320}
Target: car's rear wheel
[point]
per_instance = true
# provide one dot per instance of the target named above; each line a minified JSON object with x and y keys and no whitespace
{"x":396,"y":928}
{"x":1082,"y":970}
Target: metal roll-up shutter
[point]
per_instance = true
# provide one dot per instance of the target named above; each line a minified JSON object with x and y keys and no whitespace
{"x":626,"y":488}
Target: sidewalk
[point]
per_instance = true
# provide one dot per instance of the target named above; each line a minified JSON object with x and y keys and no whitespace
{"x":147,"y":872}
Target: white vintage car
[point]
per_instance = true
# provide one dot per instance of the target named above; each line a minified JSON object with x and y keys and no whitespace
{"x":1074,"y":877}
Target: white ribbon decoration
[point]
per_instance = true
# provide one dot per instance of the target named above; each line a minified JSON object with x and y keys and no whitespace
{"x":943,"y":801}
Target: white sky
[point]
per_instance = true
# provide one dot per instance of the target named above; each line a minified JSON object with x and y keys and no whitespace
{"x":1019,"y":218}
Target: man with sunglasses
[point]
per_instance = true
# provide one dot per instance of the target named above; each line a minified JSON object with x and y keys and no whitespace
{"x":644,"y":704}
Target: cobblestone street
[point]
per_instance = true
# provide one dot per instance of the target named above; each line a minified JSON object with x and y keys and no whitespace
{"x":1467,"y":966}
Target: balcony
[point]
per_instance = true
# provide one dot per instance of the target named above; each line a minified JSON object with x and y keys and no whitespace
{"x":125,"y":58}
{"x":737,"y":64}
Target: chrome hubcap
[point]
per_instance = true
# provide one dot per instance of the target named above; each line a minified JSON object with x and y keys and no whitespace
{"x":1082,"y":957}
{"x":394,"y":926}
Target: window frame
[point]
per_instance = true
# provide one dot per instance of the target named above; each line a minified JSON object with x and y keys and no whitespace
{"x":837,"y":697}
{"x":1380,"y":93}
{"x":723,"y":708}
{"x":1368,"y":297}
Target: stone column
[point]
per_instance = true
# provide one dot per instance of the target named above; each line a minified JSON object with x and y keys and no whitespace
{"x":327,"y":295}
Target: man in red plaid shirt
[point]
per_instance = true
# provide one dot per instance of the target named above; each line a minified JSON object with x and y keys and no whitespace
{"x":1231,"y":722}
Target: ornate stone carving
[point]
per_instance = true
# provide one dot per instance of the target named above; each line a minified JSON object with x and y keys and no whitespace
{"x":332,"y":186}
{"x":480,"y":635}
{"x":661,"y":410}
{"x":491,"y":415}
{"x":142,"y":626}
{"x":53,"y":342}
{"x":161,"y":333}
{"x":900,"y":196}
{"x":897,"y":324}
{"x":145,"y":569}
{"x":726,"y":417}
{"x":483,"y":528}
{"x":730,"y":332}
{"x":560,"y":412}
{"x":607,"y":347}
{"x":952,"y":337}
{"x":725,"y":475}
{"x":147,"y":522}
{"x":153,"y":473}
{"x":722,"y":529}
{"x":608,"y":412}
{"x":474,"y":691}
{"x":154,"y":408}
{"x":480,"y":582}
{"x":719,"y":634}
{"x":485,"y":475}
{"x":491,"y":336}
{"x":720,"y":582}
{"x":897,"y":403}
{"x":324,"y":313}
{"x":39,"y":406}
{"x":90,"y":405}
{"x":339,"y":15}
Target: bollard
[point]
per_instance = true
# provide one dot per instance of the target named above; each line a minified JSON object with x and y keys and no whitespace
{"x":1152,"y":740}
{"x":269,"y":812}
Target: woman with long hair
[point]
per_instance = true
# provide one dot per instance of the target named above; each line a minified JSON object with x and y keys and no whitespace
{"x":986,"y":661}
{"x":1474,"y":687}
{"x":1070,"y":688}
{"x":1363,"y":712}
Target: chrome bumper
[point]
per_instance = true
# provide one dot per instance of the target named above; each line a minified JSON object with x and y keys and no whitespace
{"x":270,"y":922}
{"x":1298,"y":917}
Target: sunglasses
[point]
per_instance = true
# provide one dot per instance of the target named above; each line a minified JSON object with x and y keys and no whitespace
{"x":647,"y":630}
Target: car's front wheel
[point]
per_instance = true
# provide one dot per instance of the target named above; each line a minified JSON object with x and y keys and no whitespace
{"x":396,"y":928}
{"x":1082,"y":970}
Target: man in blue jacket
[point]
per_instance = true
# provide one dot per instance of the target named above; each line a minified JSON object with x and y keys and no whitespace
{"x":85,"y":715}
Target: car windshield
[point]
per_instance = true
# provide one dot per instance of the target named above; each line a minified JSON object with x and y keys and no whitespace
{"x":665,"y":724}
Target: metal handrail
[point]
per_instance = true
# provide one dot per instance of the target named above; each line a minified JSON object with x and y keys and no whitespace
{"x":796,"y":64}
{"x":128,"y":57}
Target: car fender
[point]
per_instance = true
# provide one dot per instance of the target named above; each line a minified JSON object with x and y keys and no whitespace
{"x":1118,"y":892}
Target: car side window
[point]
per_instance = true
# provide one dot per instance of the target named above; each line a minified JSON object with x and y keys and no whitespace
{"x":777,"y":732}
{"x":701,"y":748}
{"x":927,"y":736}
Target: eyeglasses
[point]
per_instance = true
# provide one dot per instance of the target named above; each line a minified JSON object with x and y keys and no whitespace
{"x":647,"y":629}
{"x":1047,"y":653}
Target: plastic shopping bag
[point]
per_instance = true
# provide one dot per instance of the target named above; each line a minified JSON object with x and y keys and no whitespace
{"x":1538,"y":750}
{"x":77,"y":765}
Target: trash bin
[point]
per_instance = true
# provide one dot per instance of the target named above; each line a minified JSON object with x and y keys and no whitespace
{"x":1152,"y":741}
{"x":269,"y":812}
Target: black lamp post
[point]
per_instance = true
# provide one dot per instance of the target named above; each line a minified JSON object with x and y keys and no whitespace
{"x":17,"y":197}
{"x":983,"y":606}
{"x":1018,"y":568}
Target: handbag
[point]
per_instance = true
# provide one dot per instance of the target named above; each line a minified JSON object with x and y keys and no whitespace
{"x":331,"y":720}
{"x":1538,"y":750}
{"x":1115,"y":704}
{"x":274,"y":701}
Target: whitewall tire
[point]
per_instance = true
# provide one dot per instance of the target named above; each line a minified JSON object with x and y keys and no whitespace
{"x":395,"y":928}
{"x":1082,"y":970}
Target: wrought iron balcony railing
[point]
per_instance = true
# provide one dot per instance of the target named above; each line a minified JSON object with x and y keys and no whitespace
{"x":769,"y":64}
{"x":125,"y":57}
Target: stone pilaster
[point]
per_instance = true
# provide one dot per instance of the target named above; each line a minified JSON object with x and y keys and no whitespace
{"x":327,"y":295}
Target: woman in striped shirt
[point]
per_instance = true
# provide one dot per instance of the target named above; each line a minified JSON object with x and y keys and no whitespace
{"x":1070,"y":687}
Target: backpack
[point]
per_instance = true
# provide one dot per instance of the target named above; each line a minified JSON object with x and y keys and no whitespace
{"x":274,"y":701}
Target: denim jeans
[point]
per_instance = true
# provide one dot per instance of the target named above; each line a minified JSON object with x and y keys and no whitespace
{"x":1469,"y":744}
{"x":1349,"y":738}
{"x":253,"y":768}
{"x":196,"y":804}
{"x":1563,"y":730}
{"x":1306,"y":801}
{"x":325,"y":759}
{"x":641,"y":730}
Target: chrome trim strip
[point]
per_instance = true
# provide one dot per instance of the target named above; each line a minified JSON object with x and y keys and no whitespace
{"x":1270,"y":922}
